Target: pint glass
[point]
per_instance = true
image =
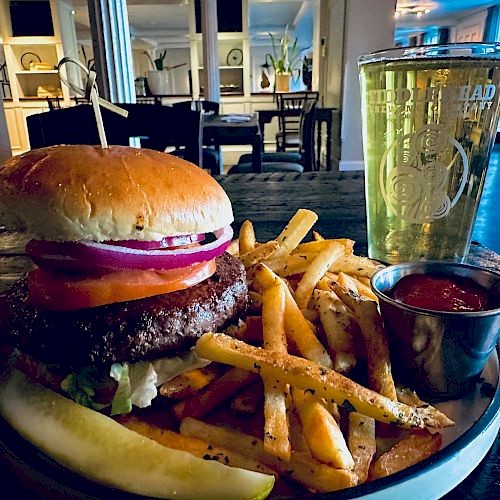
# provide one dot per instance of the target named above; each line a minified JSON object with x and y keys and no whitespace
{"x":430,"y":118}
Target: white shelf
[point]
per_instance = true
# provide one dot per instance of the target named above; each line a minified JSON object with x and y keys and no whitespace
{"x":37,"y":72}
{"x":32,"y":40}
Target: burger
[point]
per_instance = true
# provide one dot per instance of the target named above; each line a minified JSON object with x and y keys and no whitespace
{"x":129,"y":269}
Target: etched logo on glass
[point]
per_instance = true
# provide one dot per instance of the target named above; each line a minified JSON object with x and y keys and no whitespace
{"x":415,"y":174}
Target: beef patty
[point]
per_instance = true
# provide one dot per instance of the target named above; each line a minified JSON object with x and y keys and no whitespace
{"x":131,"y":331}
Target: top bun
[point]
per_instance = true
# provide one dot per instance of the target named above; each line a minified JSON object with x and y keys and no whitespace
{"x":71,"y":193}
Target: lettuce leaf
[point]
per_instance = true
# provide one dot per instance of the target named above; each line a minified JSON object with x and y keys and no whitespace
{"x":81,"y":387}
{"x":138,"y":382}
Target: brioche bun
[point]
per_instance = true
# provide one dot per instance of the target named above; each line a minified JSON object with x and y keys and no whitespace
{"x":76,"y":192}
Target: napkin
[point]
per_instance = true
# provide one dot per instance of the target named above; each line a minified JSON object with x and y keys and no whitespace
{"x":236,"y":118}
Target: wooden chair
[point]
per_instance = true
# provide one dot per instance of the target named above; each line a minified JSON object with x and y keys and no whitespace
{"x":291,"y":104}
{"x":284,"y":161}
{"x":158,"y":127}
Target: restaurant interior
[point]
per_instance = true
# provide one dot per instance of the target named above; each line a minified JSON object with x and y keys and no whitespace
{"x":265,"y":97}
{"x":168,"y":35}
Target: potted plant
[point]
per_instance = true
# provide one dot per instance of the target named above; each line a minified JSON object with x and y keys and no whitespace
{"x":158,"y":78}
{"x":285,"y":61}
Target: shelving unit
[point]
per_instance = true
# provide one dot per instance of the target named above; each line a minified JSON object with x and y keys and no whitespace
{"x":233,"y":57}
{"x":30,"y":87}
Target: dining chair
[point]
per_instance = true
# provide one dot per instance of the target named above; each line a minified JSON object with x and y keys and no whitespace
{"x":157,"y":127}
{"x":290,"y":104}
{"x":282,"y":161}
{"x":211,"y":155}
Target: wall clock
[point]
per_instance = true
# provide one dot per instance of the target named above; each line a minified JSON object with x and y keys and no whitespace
{"x":234,"y":57}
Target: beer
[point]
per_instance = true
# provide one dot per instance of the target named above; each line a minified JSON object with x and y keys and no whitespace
{"x":429,"y":124}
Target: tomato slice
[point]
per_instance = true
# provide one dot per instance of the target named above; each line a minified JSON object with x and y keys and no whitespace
{"x":63,"y":292}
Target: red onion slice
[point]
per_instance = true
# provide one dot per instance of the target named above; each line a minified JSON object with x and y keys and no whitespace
{"x":167,"y":242}
{"x":87,"y":256}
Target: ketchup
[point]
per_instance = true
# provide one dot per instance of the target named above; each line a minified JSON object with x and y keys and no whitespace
{"x":441,"y":293}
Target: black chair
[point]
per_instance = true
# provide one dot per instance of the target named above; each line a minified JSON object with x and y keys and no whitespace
{"x":211,"y":156}
{"x":158,"y":127}
{"x":290,"y":161}
{"x":291,"y":104}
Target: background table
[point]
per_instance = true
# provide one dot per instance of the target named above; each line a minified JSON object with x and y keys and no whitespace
{"x":218,"y":131}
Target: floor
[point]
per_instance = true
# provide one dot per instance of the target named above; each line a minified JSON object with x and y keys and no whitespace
{"x":487,"y":227}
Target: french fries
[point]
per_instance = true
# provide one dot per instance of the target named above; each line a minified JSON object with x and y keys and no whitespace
{"x":338,"y":325}
{"x":188,"y":383}
{"x":296,"y":326}
{"x":316,"y":271}
{"x":322,"y":433}
{"x":301,"y":468}
{"x":409,"y":451}
{"x":362,"y":444}
{"x":370,"y":323}
{"x":203,"y":402}
{"x":295,"y":231}
{"x":321,"y":381}
{"x":247,"y":237}
{"x":315,"y":425}
{"x":356,"y":265}
{"x":276,"y":440}
{"x":197,"y":447}
{"x":259,"y":253}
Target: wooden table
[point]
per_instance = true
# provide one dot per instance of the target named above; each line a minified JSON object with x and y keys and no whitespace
{"x":218,"y":131}
{"x":268,"y":200}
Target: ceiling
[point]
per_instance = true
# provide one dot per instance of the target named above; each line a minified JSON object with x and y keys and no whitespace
{"x":153,"y":17}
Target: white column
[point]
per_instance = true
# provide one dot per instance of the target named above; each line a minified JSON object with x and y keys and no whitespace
{"x":5,"y":151}
{"x":369,"y":26}
{"x":211,"y":81}
{"x":112,"y":49}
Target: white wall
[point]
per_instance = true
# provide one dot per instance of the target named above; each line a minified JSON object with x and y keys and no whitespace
{"x":472,"y":26}
{"x":369,"y":26}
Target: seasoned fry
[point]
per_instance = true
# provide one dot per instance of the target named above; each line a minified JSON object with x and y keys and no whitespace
{"x":319,"y":266}
{"x":317,"y":236}
{"x":197,"y":447}
{"x":234,"y":248}
{"x":295,"y":231}
{"x":247,"y":237}
{"x":320,"y":245}
{"x":310,"y":314}
{"x":408,"y":397}
{"x":291,"y":264}
{"x":364,"y":290}
{"x":322,"y":433}
{"x":203,"y":402}
{"x":187,"y":383}
{"x":361,"y":442}
{"x":248,"y":401}
{"x":276,"y":438}
{"x":356,"y":265}
{"x":347,"y":282}
{"x":297,"y":328}
{"x":325,"y":383}
{"x":259,"y":253}
{"x":338,"y":324}
{"x":375,"y":339}
{"x":409,"y":451}
{"x":297,"y":439}
{"x":301,"y":468}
